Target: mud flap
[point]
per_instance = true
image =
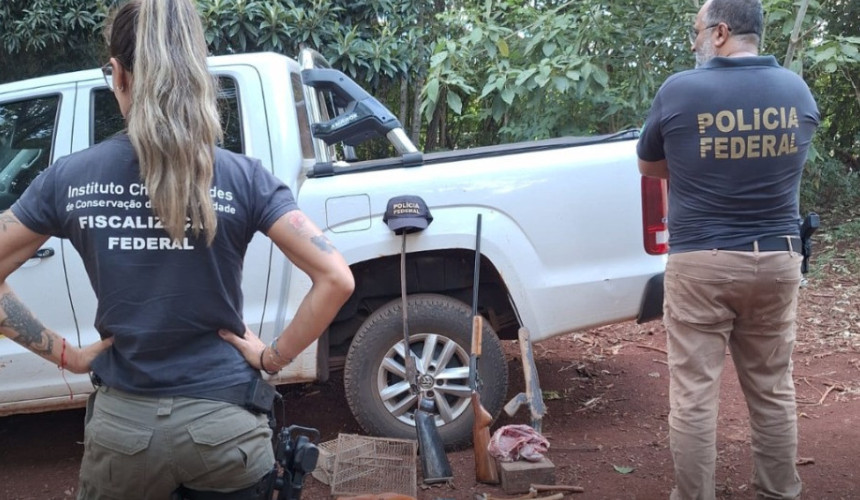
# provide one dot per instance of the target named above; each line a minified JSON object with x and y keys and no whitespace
{"x":652,"y":300}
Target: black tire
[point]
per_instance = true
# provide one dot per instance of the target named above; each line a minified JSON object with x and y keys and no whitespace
{"x":375,"y":364}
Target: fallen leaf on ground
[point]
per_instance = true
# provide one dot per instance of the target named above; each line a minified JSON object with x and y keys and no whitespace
{"x":550,"y":395}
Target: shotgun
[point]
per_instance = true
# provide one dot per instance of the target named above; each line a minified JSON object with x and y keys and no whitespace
{"x":408,"y":359}
{"x":485,"y":465}
{"x":434,"y":462}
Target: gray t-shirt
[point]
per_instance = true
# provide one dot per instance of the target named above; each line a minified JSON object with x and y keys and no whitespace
{"x":162,"y":302}
{"x":735,"y":134}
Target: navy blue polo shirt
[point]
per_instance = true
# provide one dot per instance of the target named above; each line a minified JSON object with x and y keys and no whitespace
{"x":162,"y":301}
{"x":735,"y":133}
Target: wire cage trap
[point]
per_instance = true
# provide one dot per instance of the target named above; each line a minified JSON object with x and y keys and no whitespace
{"x":325,"y":464}
{"x":365,"y":465}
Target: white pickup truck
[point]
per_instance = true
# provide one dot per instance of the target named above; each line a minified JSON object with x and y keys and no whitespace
{"x":572,"y":237}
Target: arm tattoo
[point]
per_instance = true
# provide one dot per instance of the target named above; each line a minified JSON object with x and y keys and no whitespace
{"x":297,"y":221}
{"x":31,"y":333}
{"x":323,"y":243}
{"x":6,"y":220}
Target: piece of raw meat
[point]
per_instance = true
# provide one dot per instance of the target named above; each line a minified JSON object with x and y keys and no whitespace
{"x":517,"y":441}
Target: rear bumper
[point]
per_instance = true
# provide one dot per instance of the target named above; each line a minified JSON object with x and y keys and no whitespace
{"x":652,"y":300}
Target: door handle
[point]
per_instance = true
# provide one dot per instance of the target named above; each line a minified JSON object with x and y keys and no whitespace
{"x":43,"y":253}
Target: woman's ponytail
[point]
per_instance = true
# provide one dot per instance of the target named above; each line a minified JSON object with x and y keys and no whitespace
{"x":173,"y":119}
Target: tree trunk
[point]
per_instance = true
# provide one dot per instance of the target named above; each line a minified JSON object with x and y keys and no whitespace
{"x":404,"y":105}
{"x":415,"y":133}
{"x":853,"y":85}
{"x":447,"y":143}
{"x":794,"y":42}
{"x":436,"y":129}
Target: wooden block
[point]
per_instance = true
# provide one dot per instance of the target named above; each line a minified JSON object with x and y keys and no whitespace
{"x":517,"y":476}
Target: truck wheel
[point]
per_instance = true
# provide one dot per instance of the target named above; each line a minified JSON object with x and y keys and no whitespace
{"x":440,"y":333}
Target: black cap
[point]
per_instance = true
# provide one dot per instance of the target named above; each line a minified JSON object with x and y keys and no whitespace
{"x":407,"y":214}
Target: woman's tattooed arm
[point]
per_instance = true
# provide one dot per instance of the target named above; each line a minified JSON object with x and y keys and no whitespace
{"x":7,"y":219}
{"x":299,"y":224}
{"x":20,"y":325}
{"x":17,"y":244}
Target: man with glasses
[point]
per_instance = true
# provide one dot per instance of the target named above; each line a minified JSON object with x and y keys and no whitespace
{"x":731,"y":136}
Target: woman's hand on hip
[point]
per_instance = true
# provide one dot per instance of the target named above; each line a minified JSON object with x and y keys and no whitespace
{"x":249,"y":345}
{"x":80,"y":360}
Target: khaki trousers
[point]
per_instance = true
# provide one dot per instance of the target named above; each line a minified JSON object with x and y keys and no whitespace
{"x":143,"y":447}
{"x":745,"y":301}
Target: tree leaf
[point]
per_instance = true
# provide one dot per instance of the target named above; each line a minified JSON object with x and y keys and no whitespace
{"x":433,"y":90}
{"x":561,"y":83}
{"x":454,"y":102}
{"x":550,"y":395}
{"x":601,"y":77}
{"x":541,"y":79}
{"x":508,"y":95}
{"x":488,"y":87}
{"x":438,"y":58}
{"x":523,"y":76}
{"x":476,"y":35}
{"x":504,"y":50}
{"x":573,"y":75}
{"x":849,"y":50}
{"x":499,"y":109}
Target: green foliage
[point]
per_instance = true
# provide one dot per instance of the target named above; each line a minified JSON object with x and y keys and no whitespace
{"x":829,"y":185}
{"x":829,"y":60}
{"x":39,"y":37}
{"x":39,"y":24}
{"x":546,"y":70}
{"x":835,"y":250}
{"x":368,"y":40}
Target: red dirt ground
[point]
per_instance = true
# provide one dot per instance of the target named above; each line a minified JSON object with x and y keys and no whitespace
{"x":606,"y":391}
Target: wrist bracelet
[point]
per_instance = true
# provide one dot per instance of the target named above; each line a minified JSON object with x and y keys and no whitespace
{"x":277,"y":353}
{"x":263,"y":365}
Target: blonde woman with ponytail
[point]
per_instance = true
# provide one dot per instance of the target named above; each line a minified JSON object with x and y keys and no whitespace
{"x":170,"y":417}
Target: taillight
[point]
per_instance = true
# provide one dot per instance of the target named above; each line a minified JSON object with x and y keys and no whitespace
{"x":654,"y":213}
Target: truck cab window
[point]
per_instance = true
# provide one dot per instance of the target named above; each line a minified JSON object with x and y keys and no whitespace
{"x":26,"y":140}
{"x":108,"y":121}
{"x":231,"y":120}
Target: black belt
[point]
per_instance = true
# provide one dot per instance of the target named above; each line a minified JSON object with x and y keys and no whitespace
{"x":257,"y":396}
{"x":253,"y":492}
{"x":235,"y":394}
{"x":769,"y":244}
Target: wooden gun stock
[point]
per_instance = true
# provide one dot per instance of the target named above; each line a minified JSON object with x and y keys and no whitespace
{"x":477,"y":335}
{"x":485,"y":465}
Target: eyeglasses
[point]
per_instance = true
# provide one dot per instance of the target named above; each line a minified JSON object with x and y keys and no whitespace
{"x":694,"y":33}
{"x":107,"y":71}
